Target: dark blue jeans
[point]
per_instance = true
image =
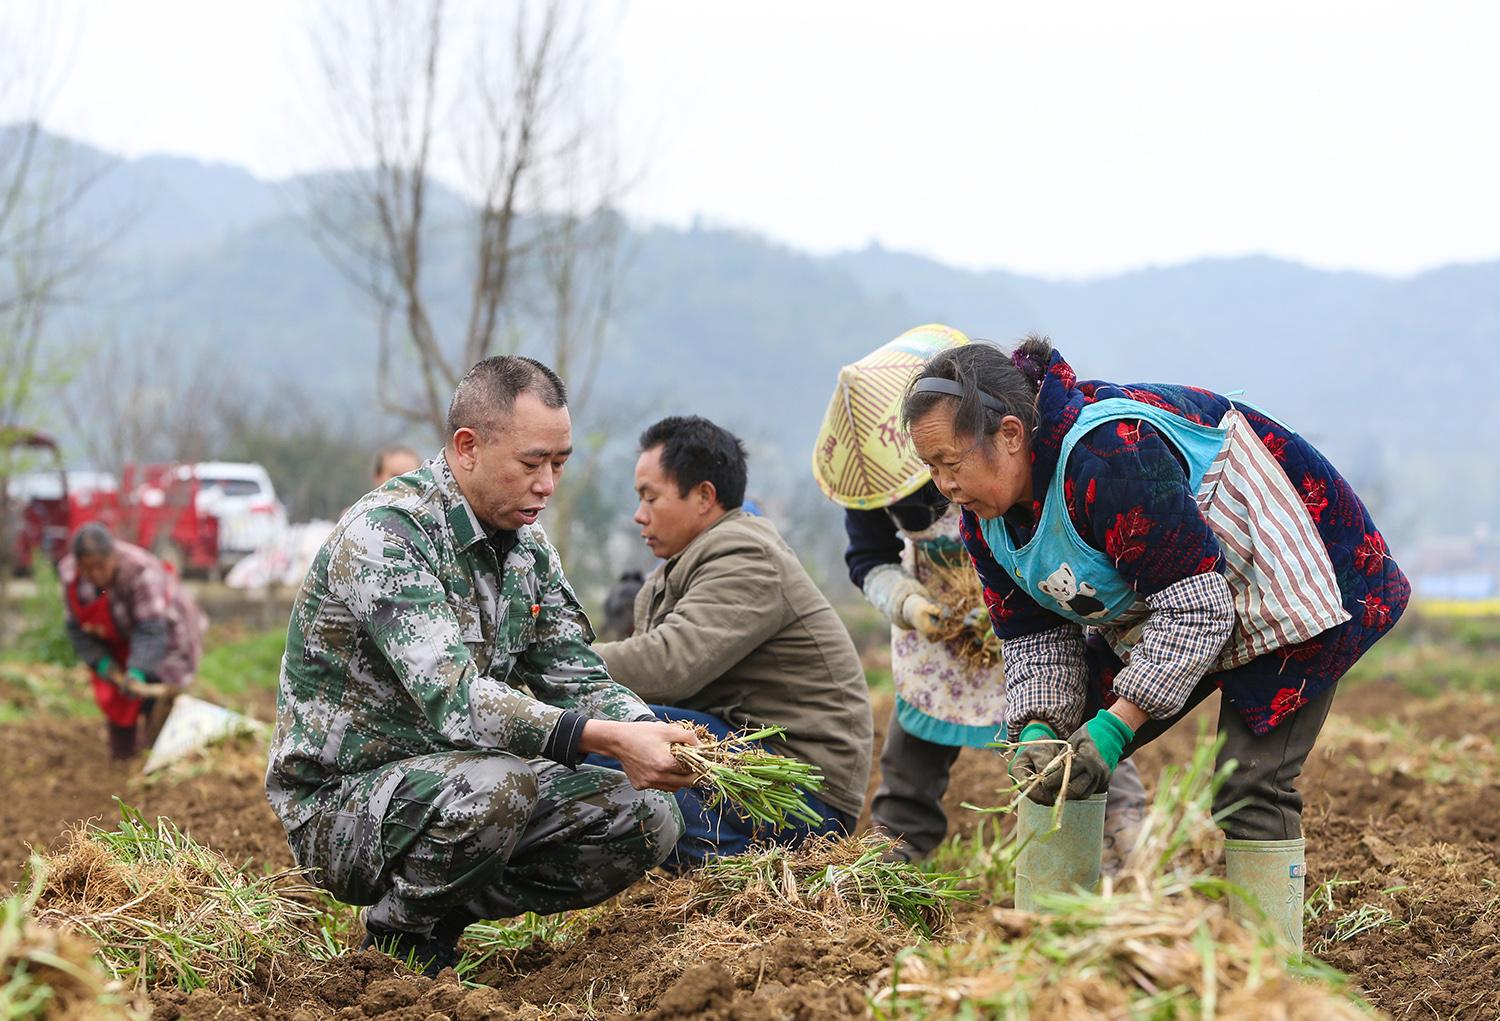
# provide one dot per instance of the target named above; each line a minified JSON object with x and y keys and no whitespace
{"x":719,"y":832}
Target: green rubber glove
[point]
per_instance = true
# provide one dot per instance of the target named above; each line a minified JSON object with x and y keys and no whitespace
{"x":1034,"y":751}
{"x":1110,"y":735}
{"x":1097,"y":747}
{"x":104,"y":667}
{"x":138,"y":674}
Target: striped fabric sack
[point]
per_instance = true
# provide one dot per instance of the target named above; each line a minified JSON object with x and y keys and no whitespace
{"x":1283,"y":583}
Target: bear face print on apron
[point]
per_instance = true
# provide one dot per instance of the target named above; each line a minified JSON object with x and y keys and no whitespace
{"x":1278,"y":570}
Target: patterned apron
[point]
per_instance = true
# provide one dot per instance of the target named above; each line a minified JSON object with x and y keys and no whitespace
{"x":940,"y":696}
{"x":1279,"y":573}
{"x":95,"y":618}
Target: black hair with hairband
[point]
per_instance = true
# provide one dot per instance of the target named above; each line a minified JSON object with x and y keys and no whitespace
{"x":938,"y":385}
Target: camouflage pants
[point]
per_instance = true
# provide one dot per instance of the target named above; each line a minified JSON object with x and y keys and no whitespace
{"x":487,"y":832}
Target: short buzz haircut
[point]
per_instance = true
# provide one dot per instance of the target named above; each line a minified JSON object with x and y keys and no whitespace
{"x":394,"y":450}
{"x":487,"y":394}
{"x":694,"y":450}
{"x":92,"y":540}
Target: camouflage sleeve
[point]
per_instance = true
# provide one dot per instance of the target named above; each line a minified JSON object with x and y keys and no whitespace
{"x":385,"y":570}
{"x":561,"y":666}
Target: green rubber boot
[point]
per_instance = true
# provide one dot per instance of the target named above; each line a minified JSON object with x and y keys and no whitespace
{"x":1273,"y":874}
{"x":1063,"y":859}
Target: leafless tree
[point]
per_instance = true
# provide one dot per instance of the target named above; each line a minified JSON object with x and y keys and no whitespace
{"x":41,"y":249}
{"x":500,"y":107}
{"x":143,"y":399}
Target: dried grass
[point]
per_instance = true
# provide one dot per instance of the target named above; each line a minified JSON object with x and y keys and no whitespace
{"x":831,"y":882}
{"x":47,"y":972}
{"x":166,"y":910}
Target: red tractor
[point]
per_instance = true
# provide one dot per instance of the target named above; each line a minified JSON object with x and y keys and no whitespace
{"x":154,"y":509}
{"x":161,"y":513}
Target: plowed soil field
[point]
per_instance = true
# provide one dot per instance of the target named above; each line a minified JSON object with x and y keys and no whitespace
{"x":1403,"y":825}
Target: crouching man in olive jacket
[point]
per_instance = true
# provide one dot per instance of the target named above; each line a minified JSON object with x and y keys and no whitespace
{"x":730,"y":632}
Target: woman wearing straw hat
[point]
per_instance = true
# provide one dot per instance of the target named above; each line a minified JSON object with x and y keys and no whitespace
{"x":905,"y":554}
{"x":1202,"y":544}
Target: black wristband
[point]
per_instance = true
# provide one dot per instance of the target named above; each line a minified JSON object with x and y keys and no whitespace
{"x":567,"y":735}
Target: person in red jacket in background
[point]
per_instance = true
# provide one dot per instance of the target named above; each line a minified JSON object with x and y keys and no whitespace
{"x":137,"y":629}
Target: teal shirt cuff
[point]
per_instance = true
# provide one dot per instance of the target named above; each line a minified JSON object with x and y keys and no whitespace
{"x":1036,"y":730}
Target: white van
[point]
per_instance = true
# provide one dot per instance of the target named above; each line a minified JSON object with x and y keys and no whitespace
{"x":242,"y":497}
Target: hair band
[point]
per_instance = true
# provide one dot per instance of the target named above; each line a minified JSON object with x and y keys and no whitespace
{"x":947,"y":387}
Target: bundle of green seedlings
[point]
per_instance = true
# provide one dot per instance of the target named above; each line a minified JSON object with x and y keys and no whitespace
{"x":1157,"y":942}
{"x":761,"y":786}
{"x":965,"y":626}
{"x":46,"y":972}
{"x":164,"y":909}
{"x":832,"y":878}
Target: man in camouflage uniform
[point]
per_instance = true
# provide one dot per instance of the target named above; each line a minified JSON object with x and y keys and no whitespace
{"x":439,"y":691}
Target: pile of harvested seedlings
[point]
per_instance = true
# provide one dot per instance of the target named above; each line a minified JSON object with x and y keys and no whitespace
{"x":834,"y":880}
{"x":47,"y":972}
{"x":165,"y":910}
{"x":801,"y":932}
{"x":1155,"y":942}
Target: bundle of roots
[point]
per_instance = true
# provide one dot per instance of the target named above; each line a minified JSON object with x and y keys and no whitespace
{"x":761,"y":786}
{"x":965,"y":628}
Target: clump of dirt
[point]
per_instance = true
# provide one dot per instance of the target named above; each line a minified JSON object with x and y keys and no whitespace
{"x":355,"y":986}
{"x":1433,"y":947}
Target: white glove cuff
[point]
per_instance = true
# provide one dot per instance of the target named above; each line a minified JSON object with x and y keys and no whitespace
{"x":887,"y":587}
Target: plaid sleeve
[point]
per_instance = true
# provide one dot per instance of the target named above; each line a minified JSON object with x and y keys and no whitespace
{"x":150,"y":593}
{"x":1186,"y":630}
{"x":1045,"y":677}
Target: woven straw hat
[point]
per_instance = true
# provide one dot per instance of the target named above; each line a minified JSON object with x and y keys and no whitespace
{"x":863,"y":458}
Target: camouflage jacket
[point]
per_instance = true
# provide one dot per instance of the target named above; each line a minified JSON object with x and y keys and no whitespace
{"x":416,"y":631}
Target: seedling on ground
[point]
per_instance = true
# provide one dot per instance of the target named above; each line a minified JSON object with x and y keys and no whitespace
{"x":842,"y":877}
{"x":46,"y":972}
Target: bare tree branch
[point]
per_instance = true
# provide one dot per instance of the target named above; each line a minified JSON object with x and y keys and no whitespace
{"x":507,"y":120}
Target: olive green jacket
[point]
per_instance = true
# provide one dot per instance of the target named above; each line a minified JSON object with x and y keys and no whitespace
{"x":733,"y":626}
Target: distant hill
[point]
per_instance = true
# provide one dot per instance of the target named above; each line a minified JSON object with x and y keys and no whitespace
{"x":1388,"y":375}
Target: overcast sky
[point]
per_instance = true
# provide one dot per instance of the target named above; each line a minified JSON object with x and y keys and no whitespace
{"x":1065,"y":139}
